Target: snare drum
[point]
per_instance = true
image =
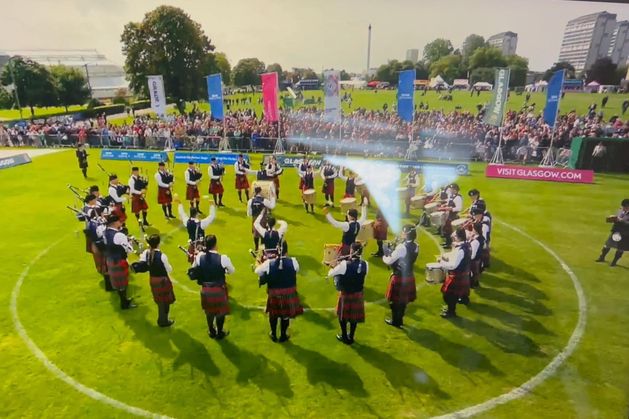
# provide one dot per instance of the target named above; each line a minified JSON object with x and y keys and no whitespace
{"x":309,"y":196}
{"x":360,"y":186}
{"x":435,"y":273}
{"x":330,"y":254}
{"x":417,"y":201}
{"x":348,"y":204}
{"x":437,"y":219}
{"x":366,"y":232}
{"x":268,"y":188}
{"x":458,"y":223}
{"x":403,"y":192}
{"x":431,"y":207}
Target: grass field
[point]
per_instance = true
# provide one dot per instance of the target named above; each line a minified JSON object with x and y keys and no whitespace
{"x":11,"y":114}
{"x":519,"y":320}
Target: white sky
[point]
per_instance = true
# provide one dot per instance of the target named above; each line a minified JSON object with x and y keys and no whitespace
{"x":314,"y":33}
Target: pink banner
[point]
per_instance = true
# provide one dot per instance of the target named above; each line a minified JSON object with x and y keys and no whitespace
{"x":270,"y":96}
{"x":549,"y":174}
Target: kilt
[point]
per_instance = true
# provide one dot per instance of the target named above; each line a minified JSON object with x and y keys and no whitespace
{"x":348,"y":195}
{"x":623,"y":244}
{"x":283,"y":302}
{"x":216,"y":187}
{"x":162,"y":289}
{"x":192,"y":193}
{"x":214,"y":299}
{"x":447,"y":229}
{"x":457,"y":284}
{"x":344,"y":250}
{"x":276,"y":182}
{"x":164,"y":196}
{"x":475,"y":272}
{"x":484,"y":257}
{"x":88,"y":244}
{"x":380,"y":228}
{"x":328,"y":187}
{"x":401,"y":290}
{"x":120,"y":212}
{"x":100,"y":263}
{"x":242,"y":182}
{"x":351,"y":307}
{"x":192,"y":251}
{"x":138,"y":203}
{"x":118,"y":273}
{"x":301,"y":184}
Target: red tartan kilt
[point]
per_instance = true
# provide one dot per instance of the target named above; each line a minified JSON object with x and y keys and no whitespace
{"x":348,"y":195}
{"x":191,"y":252}
{"x":301,"y":184}
{"x":343,"y":250}
{"x":447,"y":228}
{"x":216,"y":187}
{"x":457,"y":284}
{"x":328,"y":187}
{"x":100,"y":263}
{"x":164,"y":196}
{"x":119,"y":211}
{"x":88,"y":244}
{"x":351,"y":307}
{"x":118,"y":273}
{"x":192,"y":193}
{"x":401,"y":290}
{"x":283,"y":302}
{"x":276,"y":182}
{"x":475,"y":268}
{"x":380,"y":230}
{"x":214,"y":300}
{"x":242,"y":182}
{"x":138,"y":204}
{"x":162,"y":289}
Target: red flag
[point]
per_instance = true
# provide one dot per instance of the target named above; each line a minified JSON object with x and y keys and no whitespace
{"x":270,"y":92}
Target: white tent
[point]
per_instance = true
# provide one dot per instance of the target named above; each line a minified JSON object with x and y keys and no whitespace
{"x":483,"y":85}
{"x":353,"y":84}
{"x":461,"y":83}
{"x":438,"y":81}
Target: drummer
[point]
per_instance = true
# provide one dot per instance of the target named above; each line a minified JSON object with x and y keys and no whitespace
{"x":479,"y":217}
{"x":478,"y":203}
{"x":619,"y":237}
{"x":307,"y":183}
{"x":380,"y":231}
{"x":328,"y":173}
{"x":456,"y":287}
{"x":364,"y":192}
{"x":350,"y":183}
{"x":452,"y":207}
{"x":350,"y":228}
{"x":412,"y":182}
{"x":273,"y":171}
{"x":477,"y":242}
{"x":255,"y":207}
{"x":271,"y":237}
{"x":302,"y":168}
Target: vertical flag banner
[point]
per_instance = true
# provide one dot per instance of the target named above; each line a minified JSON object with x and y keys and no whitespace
{"x":405,"y":95}
{"x":331,"y":91}
{"x":215,"y":95}
{"x":553,"y":94}
{"x":158,"y":97}
{"x":270,"y":91}
{"x":496,"y":109}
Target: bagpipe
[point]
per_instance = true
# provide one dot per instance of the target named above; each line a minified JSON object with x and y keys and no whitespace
{"x":268,"y":254}
{"x":196,"y":174}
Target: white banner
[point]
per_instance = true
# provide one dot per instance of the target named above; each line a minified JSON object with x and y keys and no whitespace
{"x":331,"y":91}
{"x":158,"y":97}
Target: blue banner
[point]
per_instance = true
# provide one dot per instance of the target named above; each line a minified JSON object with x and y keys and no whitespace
{"x":405,"y":94}
{"x":553,"y":96}
{"x":215,"y":95}
{"x":16,"y":160}
{"x":133,"y":155}
{"x":205,"y":158}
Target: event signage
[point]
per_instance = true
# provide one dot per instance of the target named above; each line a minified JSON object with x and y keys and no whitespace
{"x":215,"y":95}
{"x":549,"y":174}
{"x":293,"y":161}
{"x":495,"y":111}
{"x":270,"y":92}
{"x":158,"y":97}
{"x":331,"y":88}
{"x":133,"y":155}
{"x":553,"y":96}
{"x":13,"y":161}
{"x":206,"y":158}
{"x":405,"y":95}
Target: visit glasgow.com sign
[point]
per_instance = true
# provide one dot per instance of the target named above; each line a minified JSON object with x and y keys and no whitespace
{"x":549,"y":174}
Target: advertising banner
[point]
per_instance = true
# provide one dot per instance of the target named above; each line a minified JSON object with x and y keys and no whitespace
{"x":158,"y":97}
{"x":270,"y":91}
{"x":215,"y":95}
{"x":405,"y":95}
{"x":133,"y":155}
{"x":496,"y":109}
{"x":13,"y":161}
{"x":331,"y":89}
{"x":549,"y":174}
{"x":205,"y":158}
{"x":553,"y":96}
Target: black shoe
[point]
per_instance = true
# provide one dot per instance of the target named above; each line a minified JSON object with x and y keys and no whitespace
{"x":283,"y":338}
{"x":167,"y":324}
{"x":342,"y":338}
{"x":171,"y":216}
{"x":390,"y":322}
{"x":146,"y":224}
{"x":350,"y":341}
{"x":600,"y":260}
{"x":448,"y":315}
{"x":464,"y":300}
{"x":211,"y":333}
{"x":612,"y":264}
{"x":128,"y":305}
{"x":221,"y":204}
{"x":273,"y":337}
{"x":221,"y":335}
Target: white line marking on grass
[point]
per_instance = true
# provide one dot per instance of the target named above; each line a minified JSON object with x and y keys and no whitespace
{"x":39,"y":354}
{"x":554,"y":365}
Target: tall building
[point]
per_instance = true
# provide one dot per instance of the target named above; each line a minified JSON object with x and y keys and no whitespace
{"x":412,"y":55}
{"x":619,"y":43}
{"x":104,"y":77}
{"x":507,"y":42}
{"x":586,"y":39}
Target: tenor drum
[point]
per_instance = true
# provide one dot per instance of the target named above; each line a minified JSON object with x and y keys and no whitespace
{"x":417,"y":201}
{"x":402,"y":192}
{"x":435,"y":273}
{"x":330,"y":254}
{"x":348,"y":204}
{"x":431,"y":207}
{"x":268,"y":188}
{"x":458,"y":223}
{"x":309,"y":196}
{"x":366,"y":232}
{"x":360,"y":186}
{"x":437,"y":219}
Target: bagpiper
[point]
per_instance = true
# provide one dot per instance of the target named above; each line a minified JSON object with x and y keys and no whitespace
{"x":164,"y":180}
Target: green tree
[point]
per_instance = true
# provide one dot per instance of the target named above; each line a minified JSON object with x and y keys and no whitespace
{"x":570,"y":73}
{"x":422,"y":70}
{"x":482,"y":74}
{"x":471,"y":44}
{"x":519,"y":67}
{"x":487,"y":57}
{"x":247,"y":72}
{"x":603,"y":71}
{"x":436,"y":49}
{"x":6,"y":99}
{"x":345,"y":75}
{"x":71,"y":86}
{"x":277,"y":68}
{"x":223,"y":66}
{"x":34,"y":83}
{"x":170,"y":43}
{"x":448,"y":67}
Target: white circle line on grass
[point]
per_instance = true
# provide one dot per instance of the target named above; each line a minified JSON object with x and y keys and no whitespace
{"x":56,"y":371}
{"x":550,"y":369}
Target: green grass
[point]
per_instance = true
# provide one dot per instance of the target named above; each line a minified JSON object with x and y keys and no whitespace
{"x":10,"y":114}
{"x":520,"y":318}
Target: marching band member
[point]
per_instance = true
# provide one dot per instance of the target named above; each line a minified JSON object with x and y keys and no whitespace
{"x":271,"y":237}
{"x":619,"y":237}
{"x":328,"y":174}
{"x":116,"y":192}
{"x":364,"y":193}
{"x":195,"y":226}
{"x":280,"y":276}
{"x":477,"y":243}
{"x":117,"y":247}
{"x":165,"y":180}
{"x":216,"y":171}
{"x":101,"y":202}
{"x":478,"y":204}
{"x":94,"y":229}
{"x":211,"y":272}
{"x":273,"y":171}
{"x":350,"y":228}
{"x":349,"y":280}
{"x":137,"y":187}
{"x":161,"y":287}
{"x":307,"y":182}
{"x":401,"y":289}
{"x":241,"y":168}
{"x":255,"y":206}
{"x":412,"y":182}
{"x":350,"y":183}
{"x":454,"y":205}
{"x":302,"y":168}
{"x":193,"y":177}
{"x":479,"y":217}
{"x":81,"y":155}
{"x":380,"y":231}
{"x":457,"y":284}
